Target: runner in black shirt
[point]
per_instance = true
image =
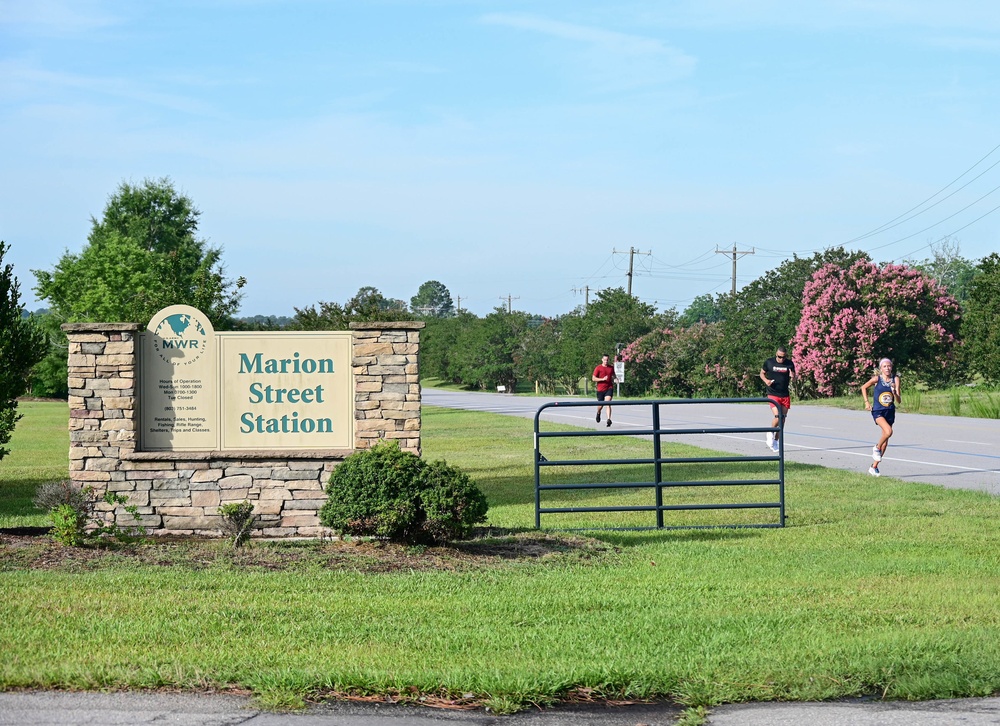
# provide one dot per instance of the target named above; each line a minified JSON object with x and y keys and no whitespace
{"x":777,"y":373}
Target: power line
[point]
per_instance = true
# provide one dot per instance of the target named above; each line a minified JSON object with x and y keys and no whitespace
{"x":699,"y":258}
{"x":886,"y":225}
{"x":892,"y":223}
{"x":610,"y":258}
{"x":914,"y":216}
{"x":903,"y":239}
{"x":687,"y":266}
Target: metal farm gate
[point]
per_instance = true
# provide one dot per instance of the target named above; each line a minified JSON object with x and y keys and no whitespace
{"x":661,"y":465}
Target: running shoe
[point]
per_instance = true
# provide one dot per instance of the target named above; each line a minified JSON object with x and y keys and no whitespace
{"x":876,"y":454}
{"x":774,"y":446}
{"x":770,"y":440}
{"x":598,"y":417}
{"x":609,"y":422}
{"x":873,"y":470}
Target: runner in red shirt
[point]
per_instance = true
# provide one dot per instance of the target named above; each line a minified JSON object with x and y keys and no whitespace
{"x":604,"y":376}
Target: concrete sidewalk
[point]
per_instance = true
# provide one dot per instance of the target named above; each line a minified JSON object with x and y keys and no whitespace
{"x":182,"y":709}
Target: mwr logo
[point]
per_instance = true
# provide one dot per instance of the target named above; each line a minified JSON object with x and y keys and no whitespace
{"x":181,"y":334}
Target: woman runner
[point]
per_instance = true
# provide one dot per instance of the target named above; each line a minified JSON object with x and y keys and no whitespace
{"x":883,"y":408}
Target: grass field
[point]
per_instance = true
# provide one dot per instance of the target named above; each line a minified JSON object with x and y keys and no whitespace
{"x":875,"y":587}
{"x":39,"y":453}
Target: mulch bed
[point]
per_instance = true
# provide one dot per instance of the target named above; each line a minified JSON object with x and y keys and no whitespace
{"x":20,"y":550}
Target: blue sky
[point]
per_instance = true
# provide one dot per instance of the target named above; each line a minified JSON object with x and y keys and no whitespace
{"x":505,"y":148}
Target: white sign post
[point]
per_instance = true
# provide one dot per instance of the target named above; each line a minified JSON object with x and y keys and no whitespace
{"x":619,"y":376}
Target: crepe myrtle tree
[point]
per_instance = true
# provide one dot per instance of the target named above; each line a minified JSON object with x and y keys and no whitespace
{"x":765,"y":314}
{"x":680,"y":361}
{"x":853,"y":316}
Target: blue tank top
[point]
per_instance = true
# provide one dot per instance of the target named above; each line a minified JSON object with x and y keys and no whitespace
{"x":884,"y":400}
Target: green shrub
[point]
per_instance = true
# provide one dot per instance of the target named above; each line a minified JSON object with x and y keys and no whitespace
{"x":53,"y":494}
{"x":452,"y":503}
{"x":393,"y":494}
{"x":238,"y":521}
{"x":75,"y":521}
{"x":68,"y":525}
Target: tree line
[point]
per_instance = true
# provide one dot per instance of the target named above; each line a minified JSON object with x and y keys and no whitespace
{"x":837,"y":310}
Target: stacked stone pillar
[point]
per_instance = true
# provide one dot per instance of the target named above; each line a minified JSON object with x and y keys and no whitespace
{"x":386,"y":384}
{"x":179,"y":493}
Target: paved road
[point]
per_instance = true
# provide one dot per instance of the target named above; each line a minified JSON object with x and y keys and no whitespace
{"x":958,"y":453}
{"x":116,"y":709}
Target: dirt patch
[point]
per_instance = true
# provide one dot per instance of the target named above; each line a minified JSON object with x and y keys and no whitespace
{"x":489,"y":549}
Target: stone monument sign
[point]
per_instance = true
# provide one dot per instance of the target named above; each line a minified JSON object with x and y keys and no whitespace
{"x":182,"y":419}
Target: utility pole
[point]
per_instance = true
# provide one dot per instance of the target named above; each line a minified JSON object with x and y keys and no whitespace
{"x":586,"y":296}
{"x":632,"y":252}
{"x":734,"y":252}
{"x":458,"y":307}
{"x":509,"y":298}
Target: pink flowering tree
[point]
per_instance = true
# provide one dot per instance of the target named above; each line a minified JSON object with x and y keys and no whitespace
{"x":680,"y":362}
{"x":853,"y":316}
{"x":644,"y":358}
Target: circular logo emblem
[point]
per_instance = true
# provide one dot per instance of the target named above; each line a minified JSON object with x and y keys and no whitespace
{"x":885,"y":398}
{"x":181,"y":334}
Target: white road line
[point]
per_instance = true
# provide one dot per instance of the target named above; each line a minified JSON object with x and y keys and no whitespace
{"x":906,"y":461}
{"x":977,"y":443}
{"x":823,"y":428}
{"x":866,"y":455}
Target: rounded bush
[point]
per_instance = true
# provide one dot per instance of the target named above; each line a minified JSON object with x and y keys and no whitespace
{"x":452,"y":503}
{"x":389,"y":493}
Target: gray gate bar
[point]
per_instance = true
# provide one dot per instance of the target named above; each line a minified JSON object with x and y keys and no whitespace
{"x":658,"y":461}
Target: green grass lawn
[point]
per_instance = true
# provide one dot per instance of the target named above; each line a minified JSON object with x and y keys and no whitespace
{"x":39,"y":453}
{"x":875,"y":587}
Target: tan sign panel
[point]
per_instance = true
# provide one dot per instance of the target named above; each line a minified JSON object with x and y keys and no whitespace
{"x":204,"y":391}
{"x":287,"y":390}
{"x":179,"y":402}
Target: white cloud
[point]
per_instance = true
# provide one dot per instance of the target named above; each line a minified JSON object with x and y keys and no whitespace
{"x":970,"y":43}
{"x":612,"y":40}
{"x":35,"y":81}
{"x":615,"y":60}
{"x":818,"y":15}
{"x":55,"y":17}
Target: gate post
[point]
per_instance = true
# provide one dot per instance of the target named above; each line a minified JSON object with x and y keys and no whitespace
{"x":657,"y":466}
